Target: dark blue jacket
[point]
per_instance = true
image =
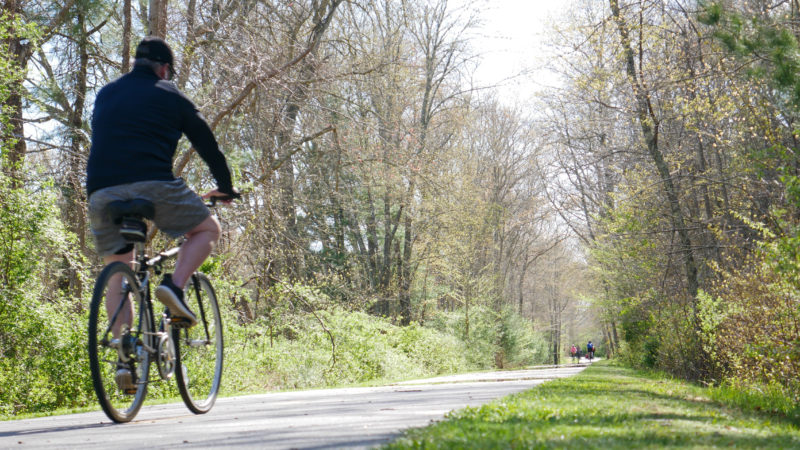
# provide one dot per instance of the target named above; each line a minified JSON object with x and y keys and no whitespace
{"x":137,"y":122}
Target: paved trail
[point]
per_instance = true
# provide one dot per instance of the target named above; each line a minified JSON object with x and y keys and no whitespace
{"x":321,"y":419}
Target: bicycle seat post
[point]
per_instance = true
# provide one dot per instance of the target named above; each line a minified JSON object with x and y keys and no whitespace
{"x":139,"y":257}
{"x":134,"y":230}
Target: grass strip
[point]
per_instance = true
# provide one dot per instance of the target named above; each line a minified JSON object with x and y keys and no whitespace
{"x":607,"y":406}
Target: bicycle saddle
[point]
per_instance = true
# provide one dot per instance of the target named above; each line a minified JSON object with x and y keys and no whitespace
{"x":129,"y":214}
{"x":138,"y":208}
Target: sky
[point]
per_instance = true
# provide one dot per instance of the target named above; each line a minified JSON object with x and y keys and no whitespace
{"x":510,"y":39}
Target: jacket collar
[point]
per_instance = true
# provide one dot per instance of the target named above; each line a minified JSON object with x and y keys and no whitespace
{"x":144,"y":71}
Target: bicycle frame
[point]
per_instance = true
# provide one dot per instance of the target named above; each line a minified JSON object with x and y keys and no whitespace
{"x":142,"y":267}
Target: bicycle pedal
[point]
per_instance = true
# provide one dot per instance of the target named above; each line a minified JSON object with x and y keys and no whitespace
{"x":130,"y":391}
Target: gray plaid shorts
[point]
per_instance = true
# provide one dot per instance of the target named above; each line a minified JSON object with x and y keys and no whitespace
{"x":178,"y":210}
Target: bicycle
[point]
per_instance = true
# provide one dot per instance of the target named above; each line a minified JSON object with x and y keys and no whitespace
{"x":134,"y":336}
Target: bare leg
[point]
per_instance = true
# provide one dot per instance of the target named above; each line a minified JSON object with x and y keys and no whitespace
{"x":198,"y":245}
{"x":114,"y":296}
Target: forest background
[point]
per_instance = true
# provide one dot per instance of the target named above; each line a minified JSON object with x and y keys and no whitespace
{"x":399,"y":219}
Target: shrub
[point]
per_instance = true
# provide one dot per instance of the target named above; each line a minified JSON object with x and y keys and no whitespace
{"x":491,"y":333}
{"x":364,"y":348}
{"x":751,"y":326}
{"x":42,"y":334}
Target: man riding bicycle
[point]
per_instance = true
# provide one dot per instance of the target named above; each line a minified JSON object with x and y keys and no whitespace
{"x":137,"y":122}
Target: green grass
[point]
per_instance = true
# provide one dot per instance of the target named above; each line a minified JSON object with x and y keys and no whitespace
{"x":608,"y":407}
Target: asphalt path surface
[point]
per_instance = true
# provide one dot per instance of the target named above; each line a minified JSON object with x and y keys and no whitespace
{"x":318,"y":419}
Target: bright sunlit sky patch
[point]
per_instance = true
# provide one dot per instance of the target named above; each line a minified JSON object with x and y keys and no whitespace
{"x":510,"y":39}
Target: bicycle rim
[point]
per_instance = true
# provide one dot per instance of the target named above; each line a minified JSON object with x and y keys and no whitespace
{"x":200,"y":348}
{"x":118,"y":280}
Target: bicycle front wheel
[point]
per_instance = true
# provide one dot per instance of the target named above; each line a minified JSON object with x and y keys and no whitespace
{"x":119,"y":326}
{"x":199,"y":349}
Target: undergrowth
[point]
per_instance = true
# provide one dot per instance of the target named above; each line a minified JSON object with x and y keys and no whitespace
{"x":320,"y":346}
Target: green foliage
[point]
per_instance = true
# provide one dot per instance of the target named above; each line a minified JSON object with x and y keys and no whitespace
{"x":771,"y":53}
{"x":750,"y":319}
{"x":483,"y":332}
{"x":307,"y":340}
{"x":749,"y":316}
{"x":9,"y":71}
{"x":641,"y":349}
{"x":22,"y":224}
{"x":774,"y":46}
{"x":711,"y":312}
{"x":42,"y":335}
{"x":631,"y":261}
{"x":658,"y":334}
{"x":47,"y":369}
{"x":211,"y":266}
{"x":334,"y":347}
{"x":521,"y":345}
{"x":492,"y":333}
{"x":626,"y":244}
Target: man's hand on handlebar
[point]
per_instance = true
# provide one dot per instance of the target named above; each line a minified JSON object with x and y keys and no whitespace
{"x":223,"y":197}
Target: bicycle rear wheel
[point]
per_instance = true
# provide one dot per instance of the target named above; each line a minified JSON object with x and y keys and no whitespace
{"x":116,"y":338}
{"x":200,"y":349}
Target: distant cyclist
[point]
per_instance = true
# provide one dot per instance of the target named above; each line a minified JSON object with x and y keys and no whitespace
{"x":590,"y":351}
{"x":573,"y":351}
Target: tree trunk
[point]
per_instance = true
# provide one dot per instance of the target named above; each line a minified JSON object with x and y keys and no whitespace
{"x":286,"y":188}
{"x":189,"y":46}
{"x":607,"y":336}
{"x":126,"y":37}
{"x":76,"y":215}
{"x":405,"y":274}
{"x":385,"y":261}
{"x":372,"y":241}
{"x":466,"y":318}
{"x":614,"y":333}
{"x":20,"y":51}
{"x":157,"y":18}
{"x":13,"y":137}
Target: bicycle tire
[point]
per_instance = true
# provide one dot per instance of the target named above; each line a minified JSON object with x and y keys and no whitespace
{"x":104,"y":358}
{"x":200,"y":349}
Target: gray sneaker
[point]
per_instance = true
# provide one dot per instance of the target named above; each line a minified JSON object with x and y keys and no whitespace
{"x":172,"y":297}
